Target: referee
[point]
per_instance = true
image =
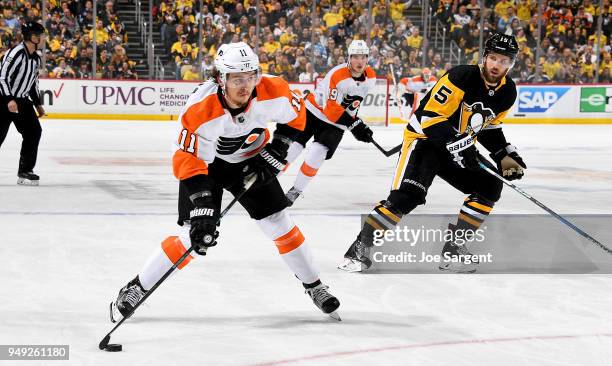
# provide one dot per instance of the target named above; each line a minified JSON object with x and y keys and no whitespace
{"x":19,"y":97}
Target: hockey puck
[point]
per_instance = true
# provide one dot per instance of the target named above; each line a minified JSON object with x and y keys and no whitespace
{"x":113,"y":347}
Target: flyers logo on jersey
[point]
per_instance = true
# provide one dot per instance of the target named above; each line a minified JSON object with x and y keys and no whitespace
{"x":230,"y":145}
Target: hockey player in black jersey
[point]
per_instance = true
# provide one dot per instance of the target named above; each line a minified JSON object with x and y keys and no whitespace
{"x":467,"y":103}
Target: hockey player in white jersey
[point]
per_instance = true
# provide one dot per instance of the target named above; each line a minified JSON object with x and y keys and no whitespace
{"x":413,"y":89}
{"x":222,"y":139}
{"x":331,"y":110}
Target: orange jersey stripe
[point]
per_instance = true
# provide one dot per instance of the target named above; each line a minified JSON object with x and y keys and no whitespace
{"x":308,"y":171}
{"x":186,"y":165}
{"x":289,"y":241}
{"x":201,"y":112}
{"x":174,"y":249}
{"x":272,"y":87}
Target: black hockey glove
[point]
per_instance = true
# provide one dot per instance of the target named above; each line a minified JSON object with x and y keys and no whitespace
{"x":361,"y":131}
{"x":203,"y":217}
{"x":268,"y":163}
{"x":463,"y":151}
{"x":509,"y":162}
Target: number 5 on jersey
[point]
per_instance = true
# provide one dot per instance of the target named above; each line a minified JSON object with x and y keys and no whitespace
{"x":442,"y":95}
{"x":190,"y":143}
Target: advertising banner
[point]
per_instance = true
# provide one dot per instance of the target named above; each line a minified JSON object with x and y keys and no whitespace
{"x":163,"y":100}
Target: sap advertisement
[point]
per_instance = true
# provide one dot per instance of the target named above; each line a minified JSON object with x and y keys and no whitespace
{"x":562,"y":103}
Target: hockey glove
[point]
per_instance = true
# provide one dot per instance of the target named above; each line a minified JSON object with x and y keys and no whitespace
{"x":463,"y":151}
{"x":268,"y":163}
{"x":361,"y":131}
{"x":203,"y":217}
{"x":509,"y":162}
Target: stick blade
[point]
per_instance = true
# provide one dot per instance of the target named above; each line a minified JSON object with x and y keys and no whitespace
{"x":104,"y":342}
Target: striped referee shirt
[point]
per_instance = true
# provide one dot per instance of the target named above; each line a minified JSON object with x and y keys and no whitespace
{"x":19,"y":74}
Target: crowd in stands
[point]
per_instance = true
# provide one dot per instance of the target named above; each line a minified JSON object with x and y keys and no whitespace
{"x":568,"y":36}
{"x":287,"y":30}
{"x":69,"y":41}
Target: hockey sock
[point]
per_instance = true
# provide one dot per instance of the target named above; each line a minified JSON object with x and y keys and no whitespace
{"x":383,"y":217}
{"x":171,"y":249}
{"x":294,"y":151}
{"x":291,"y":245}
{"x":315,"y":156}
{"x":474,"y":211}
{"x":312,"y":285}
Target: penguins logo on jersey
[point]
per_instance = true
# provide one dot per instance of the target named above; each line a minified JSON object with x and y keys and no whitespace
{"x":230,"y":145}
{"x":475,"y":116}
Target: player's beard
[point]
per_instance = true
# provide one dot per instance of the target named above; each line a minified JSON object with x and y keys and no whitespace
{"x":486,"y":73}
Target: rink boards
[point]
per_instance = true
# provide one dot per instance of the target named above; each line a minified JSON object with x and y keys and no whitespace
{"x":163,"y":100}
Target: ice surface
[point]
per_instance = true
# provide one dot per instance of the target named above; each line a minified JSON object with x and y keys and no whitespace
{"x":107,"y":198}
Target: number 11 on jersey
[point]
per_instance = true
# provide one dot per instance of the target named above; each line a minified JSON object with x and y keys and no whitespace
{"x":192,"y":141}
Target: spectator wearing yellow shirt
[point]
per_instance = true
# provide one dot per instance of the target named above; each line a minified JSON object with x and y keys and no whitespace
{"x":332,"y":18}
{"x":602,"y":42}
{"x":396,"y":8}
{"x":271,"y":46}
{"x":101,"y":33}
{"x":263,"y":62}
{"x":287,"y":36}
{"x":55,"y":43}
{"x":552,"y":65}
{"x":524,"y":10}
{"x":177,"y":47}
{"x":190,"y":74}
{"x":589,"y":7}
{"x":605,"y":68}
{"x":414,"y":40}
{"x":501,"y":8}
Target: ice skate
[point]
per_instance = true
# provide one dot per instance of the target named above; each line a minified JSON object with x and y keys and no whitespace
{"x":292,"y":195}
{"x":325,"y":301}
{"x":27,"y":179}
{"x":127,"y":299}
{"x":456,"y":264}
{"x":356,"y":257}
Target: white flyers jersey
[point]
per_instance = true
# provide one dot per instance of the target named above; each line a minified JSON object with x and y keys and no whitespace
{"x":417,"y":84}
{"x":339,"y":92}
{"x":208,"y":130}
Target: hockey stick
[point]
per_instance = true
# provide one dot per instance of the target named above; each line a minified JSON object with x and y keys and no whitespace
{"x":398,"y":147}
{"x":247,"y":184}
{"x":387,"y":152}
{"x":395,"y":88}
{"x":556,"y":215}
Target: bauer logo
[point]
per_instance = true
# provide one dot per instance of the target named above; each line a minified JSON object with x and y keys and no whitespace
{"x":538,"y":99}
{"x":596,"y":99}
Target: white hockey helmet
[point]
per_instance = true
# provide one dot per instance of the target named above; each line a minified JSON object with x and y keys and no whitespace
{"x":358,"y":47}
{"x":235,"y":57}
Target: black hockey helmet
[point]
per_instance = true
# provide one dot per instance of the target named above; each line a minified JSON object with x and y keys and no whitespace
{"x":30,"y":28}
{"x":503,"y":44}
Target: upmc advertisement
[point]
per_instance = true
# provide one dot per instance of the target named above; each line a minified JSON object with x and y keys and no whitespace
{"x":118,"y":99}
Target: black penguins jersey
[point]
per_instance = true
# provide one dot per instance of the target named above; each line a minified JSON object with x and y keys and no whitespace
{"x":461,"y":100}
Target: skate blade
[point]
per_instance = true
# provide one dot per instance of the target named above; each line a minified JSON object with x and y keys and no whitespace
{"x":334,"y":315}
{"x":115,"y":314}
{"x":457,"y":268}
{"x":27,"y":182}
{"x":351,"y":265}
